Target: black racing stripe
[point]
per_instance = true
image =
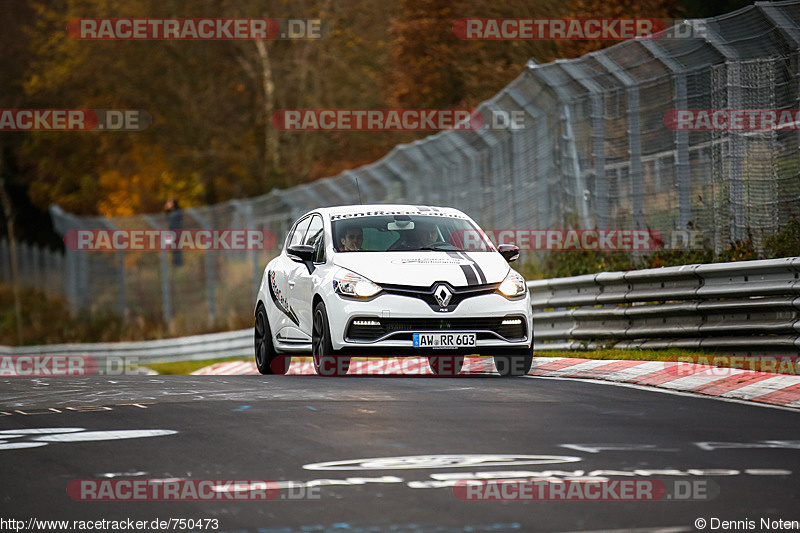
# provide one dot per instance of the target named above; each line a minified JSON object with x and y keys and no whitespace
{"x":478,"y":269}
{"x":472,"y":266}
{"x":468,"y":271}
{"x":472,"y":279}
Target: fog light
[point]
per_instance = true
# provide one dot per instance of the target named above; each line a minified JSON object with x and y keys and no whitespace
{"x":366,"y":323}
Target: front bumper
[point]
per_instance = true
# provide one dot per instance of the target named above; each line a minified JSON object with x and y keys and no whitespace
{"x":388,"y":321}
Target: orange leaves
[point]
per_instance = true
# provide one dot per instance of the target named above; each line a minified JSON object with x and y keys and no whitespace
{"x":142,"y":182}
{"x":622,"y":9}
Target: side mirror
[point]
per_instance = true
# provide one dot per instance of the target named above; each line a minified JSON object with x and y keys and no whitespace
{"x":303,"y":253}
{"x":510,"y":252}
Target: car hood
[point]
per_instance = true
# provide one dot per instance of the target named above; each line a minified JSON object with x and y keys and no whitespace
{"x":423,"y":269}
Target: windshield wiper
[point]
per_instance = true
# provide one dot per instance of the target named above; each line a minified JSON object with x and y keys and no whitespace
{"x":438,"y":248}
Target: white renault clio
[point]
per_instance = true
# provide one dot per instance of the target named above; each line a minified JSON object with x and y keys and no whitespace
{"x":392,"y":280}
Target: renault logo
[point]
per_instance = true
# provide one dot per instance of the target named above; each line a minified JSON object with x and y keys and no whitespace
{"x":443,"y":295}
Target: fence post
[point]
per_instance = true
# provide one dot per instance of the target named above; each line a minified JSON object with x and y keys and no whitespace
{"x":681,"y":136}
{"x":634,"y":136}
{"x":5,"y":261}
{"x":246,"y":210}
{"x":575,"y":164}
{"x":83,"y":278}
{"x":568,"y":157}
{"x":395,"y":168}
{"x":446,"y":147}
{"x":36,"y":267}
{"x":122,"y":295}
{"x":208,"y":261}
{"x":166,"y":292}
{"x":48,"y":270}
{"x":488,"y":179}
{"x":597,"y":115}
{"x":71,"y":280}
{"x":791,"y":33}
{"x":24,"y":264}
{"x":736,"y":146}
{"x":59,"y":270}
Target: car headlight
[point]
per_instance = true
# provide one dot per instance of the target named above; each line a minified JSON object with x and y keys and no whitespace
{"x":351,"y":284}
{"x":513,"y":286}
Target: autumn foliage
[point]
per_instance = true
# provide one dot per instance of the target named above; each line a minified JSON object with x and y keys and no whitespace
{"x":210,"y":139}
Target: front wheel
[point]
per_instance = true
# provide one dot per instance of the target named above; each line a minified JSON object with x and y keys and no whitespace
{"x":326,"y":361}
{"x":517,"y":363}
{"x":267,"y":359}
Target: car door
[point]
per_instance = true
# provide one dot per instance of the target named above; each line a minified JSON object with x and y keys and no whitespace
{"x":302,"y":291}
{"x":281,"y":281}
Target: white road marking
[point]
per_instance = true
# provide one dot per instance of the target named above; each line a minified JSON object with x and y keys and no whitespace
{"x":411,"y":462}
{"x":36,"y":431}
{"x":20,"y":445}
{"x":105,"y":435}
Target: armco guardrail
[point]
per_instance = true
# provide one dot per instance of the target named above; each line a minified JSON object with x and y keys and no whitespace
{"x":195,"y":348}
{"x":749,"y":306}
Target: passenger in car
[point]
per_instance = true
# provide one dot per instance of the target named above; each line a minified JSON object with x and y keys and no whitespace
{"x":426,"y":234}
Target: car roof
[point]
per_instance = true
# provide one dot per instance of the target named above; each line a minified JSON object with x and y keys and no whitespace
{"x":348,"y":211}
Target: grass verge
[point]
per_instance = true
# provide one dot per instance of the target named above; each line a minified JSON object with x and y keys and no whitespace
{"x":187,"y":367}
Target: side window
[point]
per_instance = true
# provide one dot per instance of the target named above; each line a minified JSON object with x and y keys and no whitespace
{"x":299,"y":232}
{"x":315,"y":237}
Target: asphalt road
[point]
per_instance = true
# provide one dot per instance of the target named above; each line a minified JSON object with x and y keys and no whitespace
{"x":741,"y":462}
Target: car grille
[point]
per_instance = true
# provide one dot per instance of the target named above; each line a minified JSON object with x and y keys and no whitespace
{"x":373,"y":328}
{"x":427,"y":294}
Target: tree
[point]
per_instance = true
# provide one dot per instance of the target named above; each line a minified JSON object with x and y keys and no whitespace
{"x":621,"y":9}
{"x":433,"y":68}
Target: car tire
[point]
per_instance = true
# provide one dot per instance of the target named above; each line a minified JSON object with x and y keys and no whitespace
{"x":514,"y":364}
{"x":268,"y":361}
{"x":326,"y":361}
{"x":446,"y":365}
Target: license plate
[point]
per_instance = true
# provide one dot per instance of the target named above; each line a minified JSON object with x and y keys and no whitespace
{"x":451,"y":339}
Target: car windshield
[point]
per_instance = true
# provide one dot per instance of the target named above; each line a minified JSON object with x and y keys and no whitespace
{"x":388,"y":233}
